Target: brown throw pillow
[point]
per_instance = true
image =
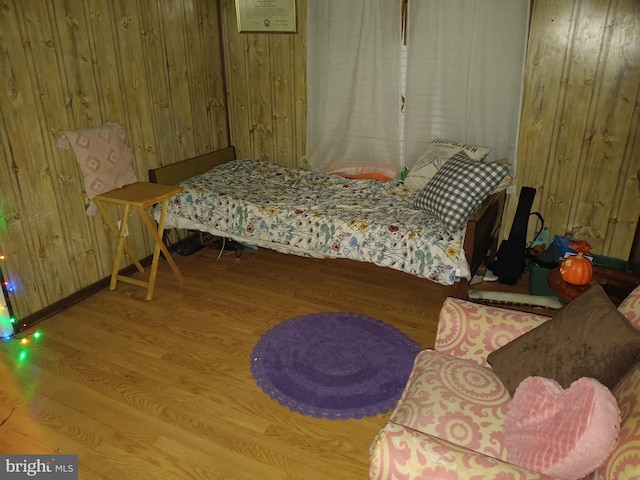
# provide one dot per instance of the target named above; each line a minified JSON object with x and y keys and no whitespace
{"x":587,"y":338}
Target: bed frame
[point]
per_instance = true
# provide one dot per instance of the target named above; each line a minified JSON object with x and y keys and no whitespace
{"x":481,"y":237}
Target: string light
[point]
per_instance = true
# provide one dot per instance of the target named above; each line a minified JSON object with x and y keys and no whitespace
{"x":8,"y":325}
{"x":26,"y":339}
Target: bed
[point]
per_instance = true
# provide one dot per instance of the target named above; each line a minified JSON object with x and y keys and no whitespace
{"x":295,"y":211}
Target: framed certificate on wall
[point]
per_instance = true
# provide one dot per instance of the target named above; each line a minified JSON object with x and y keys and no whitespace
{"x":266,"y":16}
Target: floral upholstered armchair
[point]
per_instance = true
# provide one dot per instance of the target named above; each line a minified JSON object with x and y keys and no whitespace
{"x":449,"y":421}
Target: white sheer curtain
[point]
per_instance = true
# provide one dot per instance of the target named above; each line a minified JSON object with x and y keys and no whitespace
{"x":464,"y":73}
{"x":462,"y":78}
{"x":353,"y":82}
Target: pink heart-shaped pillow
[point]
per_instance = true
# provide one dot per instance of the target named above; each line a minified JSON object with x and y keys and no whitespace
{"x":564,"y":433}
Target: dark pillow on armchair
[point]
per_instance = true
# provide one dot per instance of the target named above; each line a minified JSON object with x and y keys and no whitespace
{"x":587,"y":338}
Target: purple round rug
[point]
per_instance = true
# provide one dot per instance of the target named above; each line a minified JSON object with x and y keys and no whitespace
{"x":334,"y":365}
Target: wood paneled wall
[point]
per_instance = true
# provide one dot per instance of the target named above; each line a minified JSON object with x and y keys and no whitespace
{"x":266,"y":77}
{"x":154,"y":66}
{"x":579,"y":136}
{"x":182,"y":81}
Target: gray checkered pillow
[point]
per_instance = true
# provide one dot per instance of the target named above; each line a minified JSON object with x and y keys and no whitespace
{"x":458,"y":189}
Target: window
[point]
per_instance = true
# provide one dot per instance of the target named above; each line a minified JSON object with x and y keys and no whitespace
{"x":377,"y":95}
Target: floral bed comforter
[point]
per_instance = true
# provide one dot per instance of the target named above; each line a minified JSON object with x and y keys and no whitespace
{"x":320,"y":215}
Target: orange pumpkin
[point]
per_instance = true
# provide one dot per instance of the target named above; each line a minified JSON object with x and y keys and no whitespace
{"x":576,"y":270}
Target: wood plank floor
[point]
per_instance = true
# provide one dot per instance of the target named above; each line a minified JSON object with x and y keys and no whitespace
{"x":163,"y":389}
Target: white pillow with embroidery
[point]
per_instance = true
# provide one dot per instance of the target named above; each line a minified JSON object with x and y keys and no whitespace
{"x":435,"y":156}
